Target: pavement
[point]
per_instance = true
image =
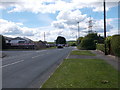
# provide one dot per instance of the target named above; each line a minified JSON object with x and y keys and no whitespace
{"x":30,"y":69}
{"x":112,"y":60}
{"x":2,"y":54}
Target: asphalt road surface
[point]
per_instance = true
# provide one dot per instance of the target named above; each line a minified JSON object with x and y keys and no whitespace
{"x":30,"y":69}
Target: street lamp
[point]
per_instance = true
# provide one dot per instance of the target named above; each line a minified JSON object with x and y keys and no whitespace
{"x":78,"y":29}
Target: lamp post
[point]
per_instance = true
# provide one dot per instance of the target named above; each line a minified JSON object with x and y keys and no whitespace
{"x":105,"y":27}
{"x":78,"y":29}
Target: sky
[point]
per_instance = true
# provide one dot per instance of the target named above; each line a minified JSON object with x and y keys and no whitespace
{"x":33,"y":18}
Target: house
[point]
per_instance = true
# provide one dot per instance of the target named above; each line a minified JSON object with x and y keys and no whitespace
{"x":40,"y":45}
{"x":24,"y":43}
{"x":19,"y":40}
{"x":7,"y":39}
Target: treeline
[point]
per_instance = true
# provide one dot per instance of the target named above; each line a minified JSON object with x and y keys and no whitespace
{"x":94,"y":41}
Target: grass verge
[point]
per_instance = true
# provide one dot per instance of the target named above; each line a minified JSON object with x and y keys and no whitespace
{"x":82,"y":52}
{"x":83,"y":73}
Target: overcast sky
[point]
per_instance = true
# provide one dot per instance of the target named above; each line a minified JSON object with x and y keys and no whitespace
{"x":31,"y":18}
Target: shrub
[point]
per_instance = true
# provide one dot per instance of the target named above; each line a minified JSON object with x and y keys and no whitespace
{"x":88,"y":44}
{"x":100,"y":47}
{"x":79,"y":40}
{"x":73,"y":44}
{"x":115,"y":45}
{"x":108,"y":44}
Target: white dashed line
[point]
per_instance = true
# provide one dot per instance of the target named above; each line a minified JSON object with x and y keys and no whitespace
{"x":41,"y":51}
{"x":37,"y":56}
{"x":12,"y":63}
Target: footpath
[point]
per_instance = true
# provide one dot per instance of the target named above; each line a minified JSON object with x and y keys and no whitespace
{"x":112,"y":60}
{"x":2,"y":54}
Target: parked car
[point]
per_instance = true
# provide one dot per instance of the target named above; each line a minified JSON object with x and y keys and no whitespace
{"x":59,"y":46}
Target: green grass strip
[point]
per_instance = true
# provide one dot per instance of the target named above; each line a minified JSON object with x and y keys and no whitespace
{"x":82,"y":52}
{"x":83,"y":73}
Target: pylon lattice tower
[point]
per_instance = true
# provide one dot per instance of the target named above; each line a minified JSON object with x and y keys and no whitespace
{"x":90,"y":26}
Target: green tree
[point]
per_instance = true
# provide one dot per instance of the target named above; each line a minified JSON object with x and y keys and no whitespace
{"x":88,"y":44}
{"x":89,"y":41}
{"x":60,"y":40}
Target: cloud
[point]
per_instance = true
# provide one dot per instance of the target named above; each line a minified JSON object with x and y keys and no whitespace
{"x":69,"y":19}
{"x":52,"y":6}
{"x":13,"y":29}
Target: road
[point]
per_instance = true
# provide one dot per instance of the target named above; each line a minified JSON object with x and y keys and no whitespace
{"x":30,"y":69}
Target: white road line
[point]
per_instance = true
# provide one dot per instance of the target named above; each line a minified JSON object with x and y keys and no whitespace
{"x":12,"y":63}
{"x":41,"y":51}
{"x":37,"y":56}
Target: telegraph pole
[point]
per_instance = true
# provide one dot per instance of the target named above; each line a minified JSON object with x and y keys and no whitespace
{"x":105,"y":27}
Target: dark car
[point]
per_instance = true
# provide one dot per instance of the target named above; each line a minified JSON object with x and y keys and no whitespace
{"x":59,"y":46}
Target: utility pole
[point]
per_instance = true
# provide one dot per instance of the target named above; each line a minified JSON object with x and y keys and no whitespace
{"x":78,"y":29}
{"x":105,"y":27}
{"x":44,"y":36}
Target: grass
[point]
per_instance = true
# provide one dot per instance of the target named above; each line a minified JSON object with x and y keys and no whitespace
{"x":83,"y":73}
{"x":82,"y":52}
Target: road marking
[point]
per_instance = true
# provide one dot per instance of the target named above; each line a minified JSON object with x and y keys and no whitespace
{"x":37,"y":56}
{"x":41,"y":51}
{"x":12,"y":63}
{"x":67,"y":56}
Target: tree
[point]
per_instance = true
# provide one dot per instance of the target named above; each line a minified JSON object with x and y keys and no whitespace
{"x":92,"y":36}
{"x":89,"y":41}
{"x":88,"y":44}
{"x":60,"y":40}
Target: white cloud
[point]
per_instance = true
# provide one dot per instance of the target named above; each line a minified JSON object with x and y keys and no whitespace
{"x":13,"y":29}
{"x":69,"y":19}
{"x":51,"y":6}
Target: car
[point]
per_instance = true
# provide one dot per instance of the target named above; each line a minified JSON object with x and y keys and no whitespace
{"x":59,"y":46}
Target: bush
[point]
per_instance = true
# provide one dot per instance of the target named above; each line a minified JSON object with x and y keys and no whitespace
{"x":115,"y":45}
{"x":100,"y":47}
{"x":108,"y":44}
{"x":88,"y":44}
{"x":73,"y":44}
{"x":79,"y":40}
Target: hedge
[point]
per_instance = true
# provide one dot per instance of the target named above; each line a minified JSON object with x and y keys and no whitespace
{"x":100,"y":47}
{"x":115,"y":45}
